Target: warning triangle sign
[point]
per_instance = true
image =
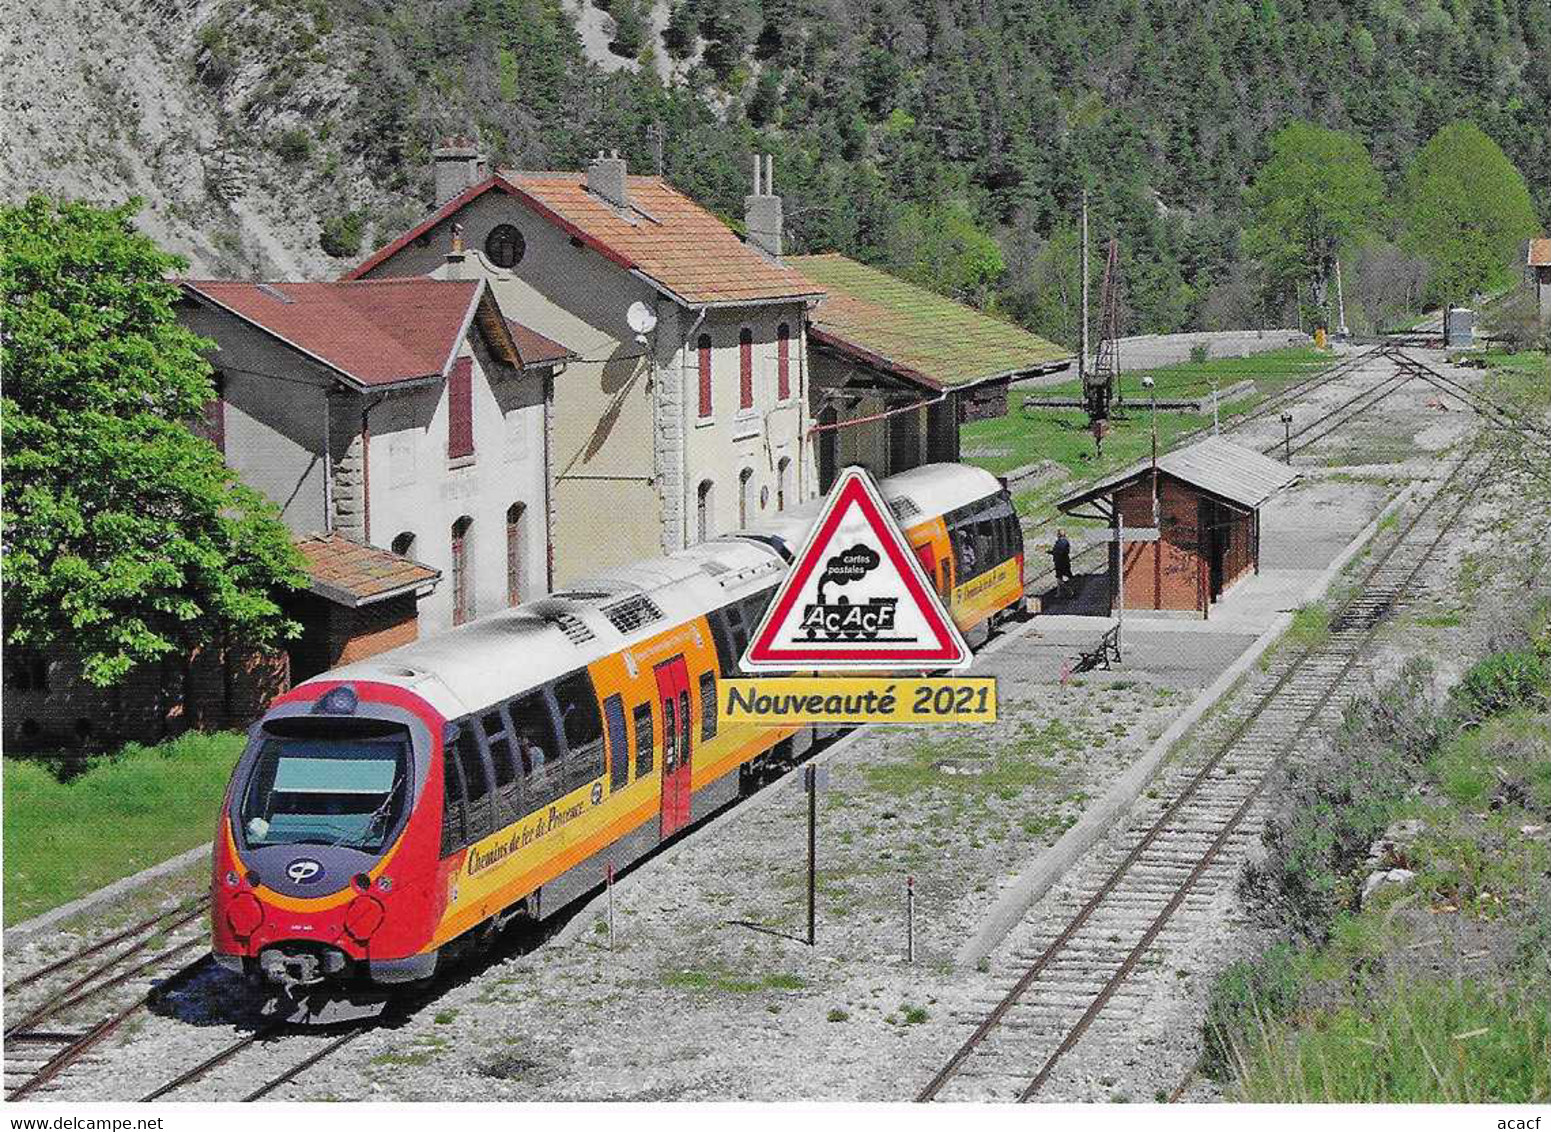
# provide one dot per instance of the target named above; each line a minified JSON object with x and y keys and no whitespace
{"x":857,"y":596}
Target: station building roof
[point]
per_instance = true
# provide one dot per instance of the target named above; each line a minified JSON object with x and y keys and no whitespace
{"x":661,"y":235}
{"x":351,"y":573}
{"x":1216,"y":466}
{"x":916,"y":334}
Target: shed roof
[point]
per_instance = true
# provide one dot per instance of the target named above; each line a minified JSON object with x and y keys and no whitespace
{"x":1540,"y":252}
{"x":351,"y":573}
{"x":1214,"y":465}
{"x":663,"y":236}
{"x":893,"y":325}
{"x":537,"y":350}
{"x":373,"y":332}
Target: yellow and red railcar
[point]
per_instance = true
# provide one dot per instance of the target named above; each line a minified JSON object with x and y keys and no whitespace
{"x":390,"y":809}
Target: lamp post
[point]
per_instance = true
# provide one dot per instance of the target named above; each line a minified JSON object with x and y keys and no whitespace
{"x":1152,"y":398}
{"x":1287,"y":438}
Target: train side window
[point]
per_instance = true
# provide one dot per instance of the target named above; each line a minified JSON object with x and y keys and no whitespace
{"x":670,"y":737}
{"x":577,"y":705}
{"x":478,"y":815}
{"x":707,"y":706}
{"x":452,"y":795}
{"x":619,"y":749}
{"x":504,"y":759}
{"x":985,"y":542}
{"x":754,"y":607}
{"x":643,"y":740}
{"x":964,"y":556}
{"x":684,"y":726}
{"x":539,"y":747}
{"x":726,"y":658}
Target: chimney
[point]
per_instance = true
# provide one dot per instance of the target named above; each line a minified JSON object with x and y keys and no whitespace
{"x":762,"y":209}
{"x":457,"y":164}
{"x":606,"y":178}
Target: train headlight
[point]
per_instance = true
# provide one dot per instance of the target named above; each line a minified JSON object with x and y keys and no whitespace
{"x":244,"y":914}
{"x":231,"y":879}
{"x":385,"y":883}
{"x":363,"y":917}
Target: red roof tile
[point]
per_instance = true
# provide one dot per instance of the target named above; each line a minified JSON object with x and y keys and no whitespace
{"x":664,"y":235}
{"x":351,"y":573}
{"x":376,"y":332}
{"x":1540,"y":252}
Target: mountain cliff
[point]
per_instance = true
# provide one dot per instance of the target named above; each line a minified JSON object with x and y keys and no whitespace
{"x":946,"y":138}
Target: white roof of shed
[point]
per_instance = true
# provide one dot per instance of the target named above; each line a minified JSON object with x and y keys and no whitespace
{"x":1216,"y":466}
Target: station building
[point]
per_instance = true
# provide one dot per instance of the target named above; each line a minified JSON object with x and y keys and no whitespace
{"x":408,"y":416}
{"x":1186,"y":532}
{"x":687,"y":423}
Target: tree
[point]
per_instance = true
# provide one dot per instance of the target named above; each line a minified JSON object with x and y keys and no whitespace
{"x":1316,"y":197}
{"x":126,"y":537}
{"x":1466,"y":211}
{"x":941,"y":248}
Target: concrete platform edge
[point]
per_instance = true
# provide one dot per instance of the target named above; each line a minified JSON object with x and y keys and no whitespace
{"x":1053,"y":863}
{"x":27,"y":929}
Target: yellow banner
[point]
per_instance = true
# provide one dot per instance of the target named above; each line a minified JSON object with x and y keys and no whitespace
{"x":858,"y":699}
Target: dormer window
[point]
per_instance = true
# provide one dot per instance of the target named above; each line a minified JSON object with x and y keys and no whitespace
{"x":505,"y":246}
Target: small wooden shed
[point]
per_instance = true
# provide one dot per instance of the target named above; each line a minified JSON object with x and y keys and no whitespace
{"x":1188,"y":529}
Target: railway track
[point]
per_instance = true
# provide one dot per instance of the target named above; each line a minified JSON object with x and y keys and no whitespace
{"x":1321,"y":426}
{"x":1180,"y":850}
{"x":49,"y":1038}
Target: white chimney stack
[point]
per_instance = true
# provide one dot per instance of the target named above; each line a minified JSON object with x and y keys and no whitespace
{"x":606,"y":178}
{"x":762,"y":209}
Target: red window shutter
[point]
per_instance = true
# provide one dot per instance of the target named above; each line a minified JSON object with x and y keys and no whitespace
{"x":783,"y":361}
{"x":745,"y":369}
{"x":705,"y":374}
{"x":460,"y":409}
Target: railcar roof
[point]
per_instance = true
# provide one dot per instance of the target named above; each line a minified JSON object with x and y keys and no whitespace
{"x":493,"y":658}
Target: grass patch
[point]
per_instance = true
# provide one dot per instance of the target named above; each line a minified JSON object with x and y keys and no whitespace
{"x":1426,"y":1042}
{"x":964,"y":764}
{"x":1310,"y":626}
{"x":727,"y":983}
{"x":1062,"y":435}
{"x":125,"y":812}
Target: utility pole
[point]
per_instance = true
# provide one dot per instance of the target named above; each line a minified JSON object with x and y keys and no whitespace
{"x":1082,"y":358}
{"x":811,"y":777}
{"x":1340,"y":303}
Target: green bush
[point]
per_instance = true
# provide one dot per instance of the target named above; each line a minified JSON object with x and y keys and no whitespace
{"x":1501,"y":682}
{"x":294,"y":145}
{"x":1429,"y":1042}
{"x":1199,"y":352}
{"x":1333,"y":807}
{"x":1245,"y":998}
{"x":341,"y":235}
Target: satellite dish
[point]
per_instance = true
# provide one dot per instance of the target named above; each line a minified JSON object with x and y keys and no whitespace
{"x":640,"y":318}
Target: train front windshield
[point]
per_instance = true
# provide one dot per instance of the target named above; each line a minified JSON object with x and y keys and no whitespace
{"x":339,"y":782}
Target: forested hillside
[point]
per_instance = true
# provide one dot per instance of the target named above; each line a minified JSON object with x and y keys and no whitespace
{"x":945,"y":138}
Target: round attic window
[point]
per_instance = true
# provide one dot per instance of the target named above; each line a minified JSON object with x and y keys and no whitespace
{"x":504,"y":246}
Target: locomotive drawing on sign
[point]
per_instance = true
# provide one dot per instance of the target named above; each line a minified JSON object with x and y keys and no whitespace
{"x":842,"y":619}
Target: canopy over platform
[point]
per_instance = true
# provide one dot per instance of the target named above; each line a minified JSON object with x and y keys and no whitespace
{"x":1229,"y":472}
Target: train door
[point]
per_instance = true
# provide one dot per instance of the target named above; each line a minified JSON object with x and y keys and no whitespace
{"x":673,"y":694}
